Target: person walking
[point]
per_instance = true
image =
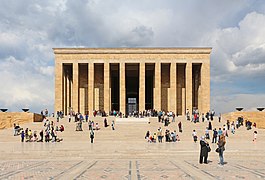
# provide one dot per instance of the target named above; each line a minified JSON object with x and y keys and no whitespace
{"x":221,"y":149}
{"x":255,"y":136}
{"x":92,"y":136}
{"x":113,"y":125}
{"x":204,"y":150}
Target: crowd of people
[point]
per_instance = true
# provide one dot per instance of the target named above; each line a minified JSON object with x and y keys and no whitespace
{"x":158,"y":136}
{"x":219,"y":134}
{"x":47,"y":134}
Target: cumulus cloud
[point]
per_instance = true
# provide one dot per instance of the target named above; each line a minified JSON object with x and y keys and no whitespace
{"x":29,"y":30}
{"x":24,"y":86}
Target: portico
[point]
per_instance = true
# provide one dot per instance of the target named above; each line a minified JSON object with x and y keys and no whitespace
{"x":128,"y":79}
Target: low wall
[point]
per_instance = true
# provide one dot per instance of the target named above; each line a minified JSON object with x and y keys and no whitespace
{"x":253,"y":116}
{"x":7,"y":119}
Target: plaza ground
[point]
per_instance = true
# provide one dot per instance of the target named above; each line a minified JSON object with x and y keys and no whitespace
{"x":125,"y":154}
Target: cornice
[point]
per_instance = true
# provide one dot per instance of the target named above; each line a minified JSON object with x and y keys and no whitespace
{"x":184,"y":50}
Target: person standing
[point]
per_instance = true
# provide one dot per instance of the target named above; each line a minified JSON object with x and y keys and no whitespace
{"x":22,"y":136}
{"x":207,"y":135}
{"x":215,"y":133}
{"x":188,"y":115}
{"x":105,"y":122}
{"x":210,"y":126}
{"x":89,"y":125}
{"x":204,"y":150}
{"x":92,"y":135}
{"x":159,"y":135}
{"x":86,"y":117}
{"x":221,"y":147}
{"x":233,"y":128}
{"x":180,"y":126}
{"x":112,"y":125}
{"x":219,"y":117}
{"x":41,"y":136}
{"x":194,"y":135}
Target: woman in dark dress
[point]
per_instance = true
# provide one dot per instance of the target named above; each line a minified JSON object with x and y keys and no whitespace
{"x":210,"y":126}
{"x":204,"y":150}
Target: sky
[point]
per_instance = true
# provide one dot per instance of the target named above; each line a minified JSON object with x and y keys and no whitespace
{"x":235,"y":29}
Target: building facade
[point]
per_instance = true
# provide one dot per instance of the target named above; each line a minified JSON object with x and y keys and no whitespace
{"x":128,"y":79}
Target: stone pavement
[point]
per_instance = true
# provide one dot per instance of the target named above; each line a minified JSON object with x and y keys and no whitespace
{"x":129,"y":169}
{"x":124,"y":154}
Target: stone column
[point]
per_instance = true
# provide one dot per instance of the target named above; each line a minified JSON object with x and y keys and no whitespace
{"x":142,"y":86}
{"x":205,"y":87}
{"x":58,"y":105}
{"x":183,"y":106}
{"x":122,"y":88}
{"x":107,"y":87}
{"x":189,"y":86}
{"x":172,"y":98}
{"x":75,"y":87}
{"x":68,"y":92}
{"x":64,"y":91}
{"x":157,"y":90}
{"x":91,"y":89}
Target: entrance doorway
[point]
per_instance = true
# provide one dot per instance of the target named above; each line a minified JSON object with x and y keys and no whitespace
{"x":132,"y":87}
{"x":131,"y":105}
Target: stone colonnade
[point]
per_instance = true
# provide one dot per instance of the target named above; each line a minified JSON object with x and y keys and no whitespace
{"x":170,"y":79}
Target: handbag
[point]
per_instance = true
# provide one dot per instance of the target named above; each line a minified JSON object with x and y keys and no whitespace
{"x":217,"y":150}
{"x":208,"y":148}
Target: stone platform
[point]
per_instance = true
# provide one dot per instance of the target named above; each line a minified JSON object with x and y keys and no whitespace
{"x":125,"y":154}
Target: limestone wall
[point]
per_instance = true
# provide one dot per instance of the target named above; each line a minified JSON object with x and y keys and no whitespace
{"x":7,"y":119}
{"x":258,"y":117}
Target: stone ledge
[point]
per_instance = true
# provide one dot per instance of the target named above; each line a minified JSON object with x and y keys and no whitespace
{"x":253,"y":116}
{"x":7,"y":119}
{"x":192,"y":50}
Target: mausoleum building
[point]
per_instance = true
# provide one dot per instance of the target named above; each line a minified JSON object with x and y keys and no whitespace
{"x":129,"y":79}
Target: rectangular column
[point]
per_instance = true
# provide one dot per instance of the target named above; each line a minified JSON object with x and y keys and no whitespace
{"x":68,"y":93}
{"x":122,"y":88}
{"x":58,"y":104}
{"x":189,"y":86}
{"x":142,"y":87}
{"x":205,"y":86}
{"x":183,"y":106}
{"x":172,"y":98}
{"x":107,"y":87}
{"x":157,"y":94}
{"x":64,"y":91}
{"x":82,"y":100}
{"x":75,"y":87}
{"x":91,"y":89}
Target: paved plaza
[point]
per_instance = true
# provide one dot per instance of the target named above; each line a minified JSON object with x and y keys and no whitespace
{"x":125,"y":154}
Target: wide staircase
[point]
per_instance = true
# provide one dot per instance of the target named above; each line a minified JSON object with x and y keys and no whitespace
{"x":126,"y":129}
{"x":126,"y":141}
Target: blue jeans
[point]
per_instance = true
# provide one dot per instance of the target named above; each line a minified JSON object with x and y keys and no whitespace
{"x":221,"y":156}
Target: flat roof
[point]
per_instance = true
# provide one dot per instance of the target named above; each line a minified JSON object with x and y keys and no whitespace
{"x":153,"y":50}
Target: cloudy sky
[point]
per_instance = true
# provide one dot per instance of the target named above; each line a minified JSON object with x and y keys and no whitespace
{"x":30,"y":29}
